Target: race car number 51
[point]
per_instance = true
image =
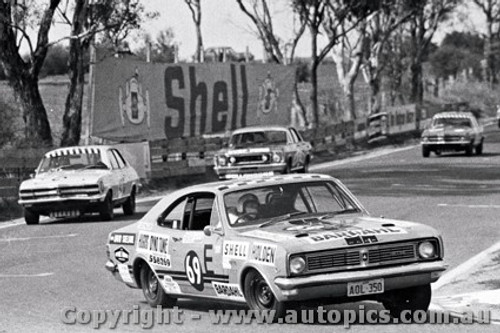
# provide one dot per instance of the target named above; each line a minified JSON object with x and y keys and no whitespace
{"x":365,"y":287}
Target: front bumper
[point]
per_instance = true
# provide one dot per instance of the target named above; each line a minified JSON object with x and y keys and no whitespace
{"x":446,"y":145}
{"x":45,"y":206}
{"x":334,"y":285}
{"x":229,"y":172}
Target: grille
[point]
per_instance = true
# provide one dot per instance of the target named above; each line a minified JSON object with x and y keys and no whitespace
{"x":446,"y":138}
{"x":59,"y":192}
{"x":363,"y":257}
{"x":251,"y":159}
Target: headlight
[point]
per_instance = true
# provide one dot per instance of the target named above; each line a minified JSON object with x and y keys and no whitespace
{"x":277,"y":157}
{"x":265,"y":158}
{"x":297,"y":265}
{"x":232,"y":160}
{"x":426,"y":250}
{"x":425,"y":139}
{"x":222,"y":161}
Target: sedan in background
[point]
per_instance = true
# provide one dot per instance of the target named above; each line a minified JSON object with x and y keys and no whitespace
{"x":263,"y":150}
{"x":72,"y":181}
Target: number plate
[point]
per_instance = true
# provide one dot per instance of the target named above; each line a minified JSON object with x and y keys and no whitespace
{"x":365,"y":287}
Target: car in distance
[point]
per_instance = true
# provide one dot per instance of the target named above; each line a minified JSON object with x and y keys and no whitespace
{"x":72,"y":181}
{"x":453,"y":131}
{"x":272,"y":242}
{"x":263,"y":150}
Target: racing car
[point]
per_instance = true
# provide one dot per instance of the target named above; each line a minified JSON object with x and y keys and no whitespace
{"x":272,"y":242}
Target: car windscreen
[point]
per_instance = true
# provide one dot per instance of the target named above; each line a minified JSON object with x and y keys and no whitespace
{"x":452,"y":121}
{"x":258,"y":138}
{"x":72,"y":161}
{"x":259,"y":205}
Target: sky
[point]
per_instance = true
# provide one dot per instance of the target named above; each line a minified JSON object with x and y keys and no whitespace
{"x":224,"y":24}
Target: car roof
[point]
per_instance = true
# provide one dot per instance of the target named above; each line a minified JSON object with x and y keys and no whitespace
{"x":76,"y":150}
{"x":260,"y":128}
{"x":453,"y":114}
{"x":246,"y":183}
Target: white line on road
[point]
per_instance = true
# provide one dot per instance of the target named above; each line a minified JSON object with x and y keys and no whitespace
{"x":40,"y":237}
{"x":468,"y":206}
{"x":465,"y":267}
{"x":359,"y":158}
{"x":25,"y":275}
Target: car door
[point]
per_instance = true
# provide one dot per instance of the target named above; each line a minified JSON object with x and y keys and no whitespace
{"x":125,"y":179}
{"x":196,"y":260}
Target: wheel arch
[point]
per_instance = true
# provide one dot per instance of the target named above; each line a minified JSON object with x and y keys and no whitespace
{"x":247,"y":269}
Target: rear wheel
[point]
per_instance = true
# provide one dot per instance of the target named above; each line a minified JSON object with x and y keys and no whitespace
{"x":408,"y":300}
{"x":107,"y":208}
{"x":259,"y":295}
{"x":31,"y":217}
{"x":305,"y":169}
{"x":129,"y":205}
{"x":152,"y":289}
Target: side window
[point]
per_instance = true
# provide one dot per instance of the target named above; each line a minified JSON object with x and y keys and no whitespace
{"x":112,"y":160}
{"x":119,"y":159}
{"x":215,"y":220}
{"x":202,"y":212}
{"x":173,"y":216}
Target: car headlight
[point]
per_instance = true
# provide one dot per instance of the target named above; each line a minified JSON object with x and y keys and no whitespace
{"x":297,"y":265}
{"x":277,"y":157}
{"x":427,"y":250}
{"x":425,"y":139}
{"x":265,"y":158}
{"x":222,"y":161}
{"x":232,"y":160}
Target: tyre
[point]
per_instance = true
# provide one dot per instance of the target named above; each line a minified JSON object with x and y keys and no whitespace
{"x":259,"y":295}
{"x":31,"y":217}
{"x":305,"y":169}
{"x":129,"y":205}
{"x":152,"y":289}
{"x":426,"y":152}
{"x":107,"y":208}
{"x":468,"y":150}
{"x":479,"y":148}
{"x":409,"y":299}
{"x":288,"y":168}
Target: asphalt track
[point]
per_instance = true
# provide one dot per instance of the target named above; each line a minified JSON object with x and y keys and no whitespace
{"x":59,"y":264}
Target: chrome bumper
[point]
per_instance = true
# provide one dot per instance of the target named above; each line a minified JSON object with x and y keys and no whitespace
{"x":334,"y":285}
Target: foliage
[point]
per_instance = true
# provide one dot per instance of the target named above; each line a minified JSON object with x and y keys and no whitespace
{"x":163,"y":48}
{"x":7,"y":128}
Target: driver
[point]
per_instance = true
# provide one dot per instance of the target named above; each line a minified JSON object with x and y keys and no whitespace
{"x":248,"y":207}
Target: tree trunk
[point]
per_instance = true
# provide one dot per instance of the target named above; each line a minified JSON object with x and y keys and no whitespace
{"x":314,"y":77}
{"x":72,"y":119}
{"x":37,"y":127}
{"x":199,"y":43}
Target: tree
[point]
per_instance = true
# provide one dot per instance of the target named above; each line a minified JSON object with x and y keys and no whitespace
{"x":162,"y":49}
{"x":114,"y":19}
{"x":332,"y":15}
{"x":380,"y":27}
{"x":195,"y":8}
{"x":491,"y":10}
{"x":458,"y":51}
{"x":422,"y":25}
{"x":348,"y":56}
{"x":23,"y":73}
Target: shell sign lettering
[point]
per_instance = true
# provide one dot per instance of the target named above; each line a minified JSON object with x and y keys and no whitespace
{"x":135,"y":101}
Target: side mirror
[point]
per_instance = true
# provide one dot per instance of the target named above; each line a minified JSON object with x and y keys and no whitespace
{"x":32,"y":175}
{"x":209,"y":230}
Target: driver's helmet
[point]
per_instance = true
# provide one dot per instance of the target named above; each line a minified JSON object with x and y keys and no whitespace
{"x":248,"y":203}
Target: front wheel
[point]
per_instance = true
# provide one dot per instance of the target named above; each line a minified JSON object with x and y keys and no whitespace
{"x":129,"y":205}
{"x":31,"y":217}
{"x":153,"y":291}
{"x":479,"y":149}
{"x":468,"y":150}
{"x":259,"y":295}
{"x":107,"y":208}
{"x":426,"y":152}
{"x":408,"y":300}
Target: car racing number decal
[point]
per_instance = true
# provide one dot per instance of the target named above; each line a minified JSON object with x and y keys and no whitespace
{"x":194,"y":273}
